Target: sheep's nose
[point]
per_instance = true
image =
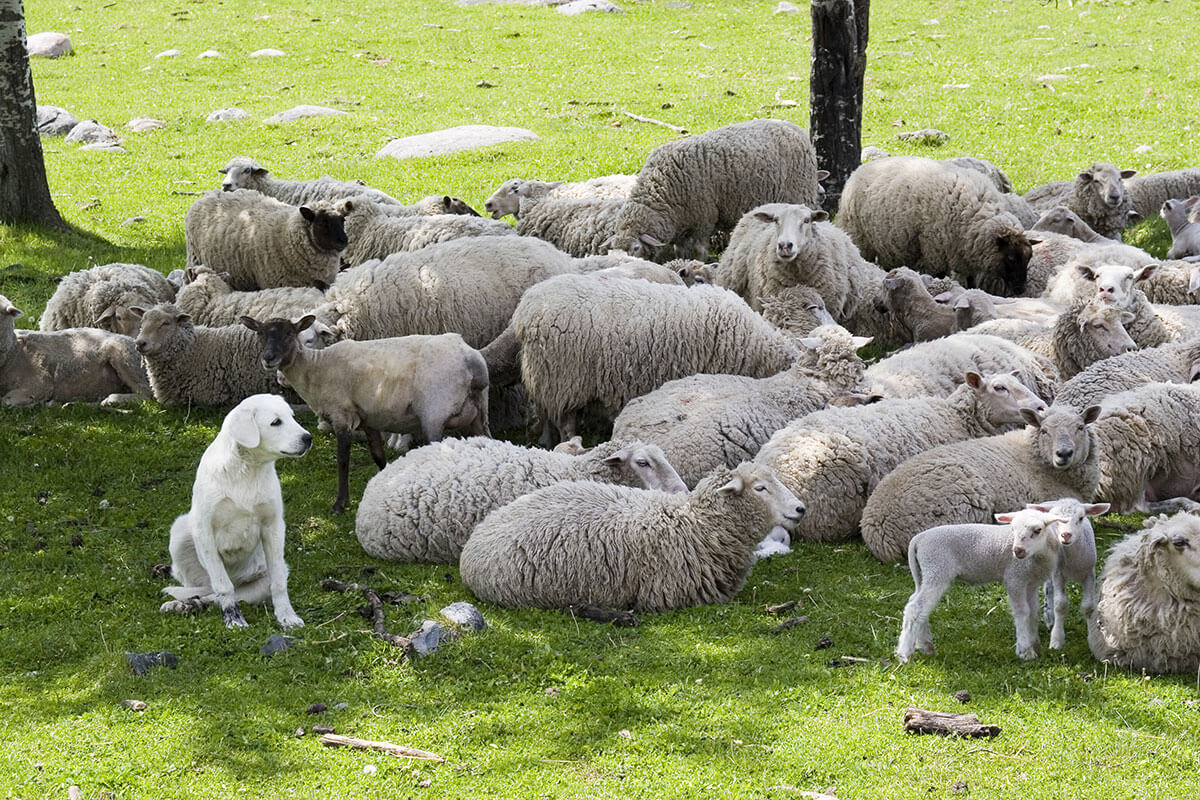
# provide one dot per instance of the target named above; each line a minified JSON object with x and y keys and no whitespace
{"x":786,"y":249}
{"x":1019,"y":552}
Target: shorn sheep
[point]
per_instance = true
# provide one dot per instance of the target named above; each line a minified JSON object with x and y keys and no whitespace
{"x":1055,"y":455}
{"x":617,"y":547}
{"x":100,"y":297}
{"x":423,"y":506}
{"x":1098,"y":195}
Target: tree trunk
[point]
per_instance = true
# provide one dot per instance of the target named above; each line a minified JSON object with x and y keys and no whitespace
{"x":24,"y":192}
{"x":839,"y":62}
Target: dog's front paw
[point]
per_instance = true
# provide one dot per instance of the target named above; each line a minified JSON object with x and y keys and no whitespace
{"x":287,"y":621}
{"x":233,"y":617}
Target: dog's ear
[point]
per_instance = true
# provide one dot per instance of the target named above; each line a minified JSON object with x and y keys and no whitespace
{"x":242,"y":427}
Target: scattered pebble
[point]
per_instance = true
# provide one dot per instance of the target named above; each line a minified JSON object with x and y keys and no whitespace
{"x":55,"y":121}
{"x":210,"y":54}
{"x":169,"y":53}
{"x":464,"y":615}
{"x":144,"y":124}
{"x":277,"y":643}
{"x":300,"y":112}
{"x":299,"y":734}
{"x":962,"y":696}
{"x":48,"y":44}
{"x":129,"y":223}
{"x":960,"y":787}
{"x":785,"y":7}
{"x":824,"y":643}
{"x":226,"y":115}
{"x":553,"y":691}
{"x":341,"y":706}
{"x":429,"y":637}
{"x":583,"y":6}
{"x":316,"y":708}
{"x":91,"y":131}
{"x":321,"y":730}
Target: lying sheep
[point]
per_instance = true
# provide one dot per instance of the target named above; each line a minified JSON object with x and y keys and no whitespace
{"x":617,"y":547}
{"x":374,"y":233}
{"x":693,"y":272}
{"x":706,"y":421}
{"x":914,"y":313}
{"x":1052,"y":252}
{"x":1175,"y":362}
{"x":1065,"y":222}
{"x":936,"y":218}
{"x":833,"y":459}
{"x":580,"y":226}
{"x":408,"y":384}
{"x":423,"y":506}
{"x":996,"y":175}
{"x":1113,"y":282}
{"x":1098,"y":195}
{"x":1149,"y":192}
{"x":1054,"y":456}
{"x":1183,"y":219}
{"x":691,"y":188}
{"x":1022,"y":552}
{"x":71,"y":365}
{"x":211,"y":301}
{"x":1174,"y":283}
{"x":1149,"y":596}
{"x":433,"y":205}
{"x":797,"y":310}
{"x":1089,"y":331}
{"x":507,"y":199}
{"x":246,"y":173}
{"x":1076,"y":562}
{"x":100,"y":297}
{"x":262,"y":242}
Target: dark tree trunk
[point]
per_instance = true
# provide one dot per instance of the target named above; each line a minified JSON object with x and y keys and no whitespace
{"x":24,"y":192}
{"x":839,"y":62}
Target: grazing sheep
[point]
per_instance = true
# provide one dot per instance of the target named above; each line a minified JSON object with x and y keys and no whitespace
{"x":246,"y":173}
{"x":1149,"y":192}
{"x":581,"y":226}
{"x":262,"y":242}
{"x":936,"y":218}
{"x":1054,"y":456}
{"x":373,"y":232}
{"x":423,"y":506}
{"x":706,"y":421}
{"x":1098,"y":195}
{"x":1149,"y":596}
{"x":617,"y":547}
{"x":1076,"y":562}
{"x":1173,"y":362}
{"x":100,"y":297}
{"x":71,"y":365}
{"x":693,"y":187}
{"x":1065,"y":222}
{"x":507,"y":199}
{"x":212,"y":302}
{"x":408,"y":384}
{"x":833,"y":459}
{"x":1183,"y":218}
{"x":1022,"y":552}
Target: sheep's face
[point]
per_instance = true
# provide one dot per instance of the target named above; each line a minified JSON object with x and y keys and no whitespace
{"x":645,"y":465}
{"x":241,"y":173}
{"x":160,"y":326}
{"x":1105,"y":180}
{"x":1030,"y":531}
{"x":1061,"y":219}
{"x":1063,"y":437}
{"x":1175,"y":213}
{"x":1103,"y":324}
{"x":1175,"y":549}
{"x":1013,"y":254}
{"x":1069,"y":517}
{"x":760,"y":482}
{"x":119,"y":319}
{"x":505,"y":200}
{"x":794,"y":228}
{"x":1000,"y":397}
{"x":327,"y":227}
{"x":1114,"y":282}
{"x":456,"y":205}
{"x":279,"y":338}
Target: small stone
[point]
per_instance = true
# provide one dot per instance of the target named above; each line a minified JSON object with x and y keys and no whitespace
{"x":226,"y":115}
{"x":74,"y":793}
{"x":133,"y":705}
{"x":960,"y":787}
{"x":962,"y":696}
{"x":486,"y":85}
{"x":142,"y":662}
{"x":267,"y":52}
{"x":299,"y":734}
{"x":144,"y":124}
{"x":785,"y":7}
{"x":55,"y":121}
{"x":341,"y":706}
{"x":169,"y":53}
{"x":48,"y":44}
{"x":321,"y":730}
{"x":316,"y":708}
{"x":91,"y":131}
{"x":429,"y":637}
{"x":276,"y":644}
{"x":103,"y":504}
{"x":129,"y":223}
{"x":160,"y":571}
{"x":453,"y":140}
{"x":553,"y":691}
{"x":210,"y":54}
{"x":583,"y":6}
{"x":301,"y":112}
{"x":824,"y":643}
{"x":465,"y":615}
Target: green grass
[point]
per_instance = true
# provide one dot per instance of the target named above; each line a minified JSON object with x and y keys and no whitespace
{"x":700,"y":702}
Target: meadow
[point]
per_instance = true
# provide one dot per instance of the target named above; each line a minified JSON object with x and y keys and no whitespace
{"x":704,"y":702}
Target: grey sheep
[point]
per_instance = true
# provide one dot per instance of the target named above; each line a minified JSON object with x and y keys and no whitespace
{"x":797,"y":310}
{"x":936,"y":218}
{"x":433,"y":205}
{"x":581,"y":226}
{"x":374,"y":233}
{"x":617,"y":547}
{"x":1183,"y":218}
{"x":507,"y":199}
{"x":1089,"y":331}
{"x":996,"y":175}
{"x":1149,"y":192}
{"x":70,"y":365}
{"x":211,"y":301}
{"x":1054,"y":456}
{"x":1053,"y":251}
{"x":694,"y":187}
{"x":1098,"y":195}
{"x":100,"y":297}
{"x":423,"y":506}
{"x":1174,"y":362}
{"x":246,"y":173}
{"x":262,"y":242}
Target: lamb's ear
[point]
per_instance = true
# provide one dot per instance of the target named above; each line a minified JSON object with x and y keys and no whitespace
{"x":1006,"y":517}
{"x":137,"y":311}
{"x":242,"y":427}
{"x":1091,"y":415}
{"x":822,"y":174}
{"x":1042,"y":507}
{"x":736,"y":485}
{"x":1085,"y":272}
{"x":1128,"y":173}
{"x":1096,"y":509}
{"x":974,"y":380}
{"x":1031,"y":417}
{"x":962,"y":302}
{"x":307,"y":213}
{"x":1145,"y":272}
{"x":13,"y":311}
{"x":820,"y":216}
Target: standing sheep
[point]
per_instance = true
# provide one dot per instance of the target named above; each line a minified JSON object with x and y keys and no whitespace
{"x":1076,"y":562}
{"x":1098,"y":195}
{"x":616,"y":547}
{"x":374,"y":233}
{"x":211,"y":301}
{"x":246,"y":173}
{"x":100,"y":297}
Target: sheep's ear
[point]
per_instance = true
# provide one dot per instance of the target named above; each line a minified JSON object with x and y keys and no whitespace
{"x":650,"y":240}
{"x":962,"y":302}
{"x":1194,"y":281}
{"x":1096,"y":509}
{"x":305,"y":321}
{"x":1042,"y":507}
{"x":811,"y":342}
{"x":307,"y":213}
{"x":1087,"y":175}
{"x":861,"y":341}
{"x":763,"y":216}
{"x":181,"y":318}
{"x":1128,"y":173}
{"x":257,"y":170}
{"x":1085,"y":272}
{"x":242,"y":427}
{"x":1127,"y":317}
{"x":1006,"y":517}
{"x":137,"y":311}
{"x":1032,"y":240}
{"x":1145,"y":272}
{"x":618,"y":458}
{"x":13,"y":311}
{"x":822,"y":174}
{"x":107,"y":314}
{"x":736,"y":485}
{"x":892,"y":284}
{"x":1031,"y":417}
{"x":1091,"y":415}
{"x":974,"y":380}
{"x":223,"y":170}
{"x":820,"y":216}
{"x":252,"y":323}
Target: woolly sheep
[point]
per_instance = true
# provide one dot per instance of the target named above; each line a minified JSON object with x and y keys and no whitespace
{"x":374,"y":233}
{"x":1183,"y":220}
{"x":1052,"y":252}
{"x":407,"y":384}
{"x":1065,"y":222}
{"x":706,"y":421}
{"x":833,"y":459}
{"x":617,"y":547}
{"x":1087,"y":332}
{"x":936,"y":218}
{"x":1055,"y":455}
{"x":262,"y":242}
{"x":100,"y":297}
{"x":1098,"y":195}
{"x":1076,"y":562}
{"x":1173,"y":283}
{"x":433,"y":205}
{"x":1175,"y":362}
{"x":797,"y":310}
{"x":71,"y":365}
{"x":580,"y":226}
{"x":1149,"y":589}
{"x":507,"y":199}
{"x":212,"y":302}
{"x":993,"y":172}
{"x":692,"y":187}
{"x":1022,"y":552}
{"x":423,"y":506}
{"x":246,"y":173}
{"x":1149,"y":192}
{"x":1112,"y":282}
{"x":693,"y":272}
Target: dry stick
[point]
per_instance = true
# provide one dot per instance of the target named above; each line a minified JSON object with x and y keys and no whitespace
{"x":918,"y":720}
{"x":376,"y":608}
{"x":398,"y":750}
{"x":652,"y":121}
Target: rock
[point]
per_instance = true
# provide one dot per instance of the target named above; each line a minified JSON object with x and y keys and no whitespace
{"x":90,"y":131}
{"x":583,"y":6}
{"x":316,"y":708}
{"x":429,"y":637}
{"x":927,"y":136}
{"x":464,"y":615}
{"x":300,"y":112}
{"x":144,"y":124}
{"x":133,"y":705}
{"x":321,"y":730}
{"x":210,"y":54}
{"x":267,"y":52}
{"x":785,"y":7}
{"x":169,"y":53}
{"x":142,"y":662}
{"x":453,"y":140}
{"x":55,"y":121}
{"x":276,"y":644}
{"x":104,"y":147}
{"x":48,"y":44}
{"x":962,"y":696}
{"x":226,"y":115}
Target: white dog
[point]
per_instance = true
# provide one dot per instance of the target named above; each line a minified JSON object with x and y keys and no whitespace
{"x":229,"y":546}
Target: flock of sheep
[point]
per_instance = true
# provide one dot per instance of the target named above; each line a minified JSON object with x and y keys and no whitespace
{"x":1041,"y":372}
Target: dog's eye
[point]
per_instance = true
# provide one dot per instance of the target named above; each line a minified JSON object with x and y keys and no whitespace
{"x":277,"y":421}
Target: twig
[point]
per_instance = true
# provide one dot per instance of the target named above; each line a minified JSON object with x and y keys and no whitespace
{"x":375,"y":614}
{"x":994,"y":753}
{"x":398,"y":750}
{"x":918,"y":720}
{"x":652,"y":121}
{"x":622,"y":619}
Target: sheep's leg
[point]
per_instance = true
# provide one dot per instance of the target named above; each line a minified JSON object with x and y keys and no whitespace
{"x":1022,"y":601}
{"x":375,"y":445}
{"x":1087,"y":604}
{"x":915,"y":633}
{"x":1058,"y":593}
{"x":343,"y":470}
{"x":1048,"y":605}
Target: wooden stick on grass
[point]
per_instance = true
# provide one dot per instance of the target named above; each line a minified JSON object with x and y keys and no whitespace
{"x":398,"y":750}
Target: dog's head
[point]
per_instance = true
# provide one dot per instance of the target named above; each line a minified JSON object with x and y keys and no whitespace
{"x":264,"y":423}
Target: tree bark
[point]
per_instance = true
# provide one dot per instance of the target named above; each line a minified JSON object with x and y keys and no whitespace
{"x":839,"y":63}
{"x":24,"y":191}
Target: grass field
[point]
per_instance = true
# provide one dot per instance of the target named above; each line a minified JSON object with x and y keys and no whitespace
{"x":705,"y":702}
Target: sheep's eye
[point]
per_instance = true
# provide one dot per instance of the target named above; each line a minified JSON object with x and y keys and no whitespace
{"x":999,"y":389}
{"x":1035,"y":531}
{"x":760,"y":488}
{"x":641,"y":462}
{"x":276,"y":421}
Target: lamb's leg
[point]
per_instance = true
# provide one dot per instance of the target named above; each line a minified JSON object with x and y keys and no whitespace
{"x":375,"y":445}
{"x":915,"y":633}
{"x":1022,"y":600}
{"x":1057,"y":594}
{"x":343,"y":469}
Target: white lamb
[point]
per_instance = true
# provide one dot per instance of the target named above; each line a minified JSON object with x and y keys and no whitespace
{"x":212,"y":302}
{"x":1076,"y":562}
{"x":100,"y":297}
{"x":1149,"y":192}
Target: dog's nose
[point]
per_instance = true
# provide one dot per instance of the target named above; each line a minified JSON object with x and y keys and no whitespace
{"x":306,"y":440}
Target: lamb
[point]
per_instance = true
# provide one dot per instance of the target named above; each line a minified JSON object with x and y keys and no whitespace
{"x":1174,"y":362}
{"x":705,"y":421}
{"x":507,"y":199}
{"x":1098,"y":195}
{"x":262,"y":242}
{"x":374,"y":233}
{"x":1183,"y":219}
{"x":694,"y":187}
{"x":100,"y":297}
{"x":833,"y":459}
{"x":1022,"y":552}
{"x":1149,"y":589}
{"x":211,"y":301}
{"x":580,"y":226}
{"x":246,"y":173}
{"x":617,"y":547}
{"x":71,"y":365}
{"x":1149,"y":192}
{"x":408,"y":384}
{"x":936,"y":218}
{"x":1076,"y":562}
{"x":1054,"y":456}
{"x":423,"y":506}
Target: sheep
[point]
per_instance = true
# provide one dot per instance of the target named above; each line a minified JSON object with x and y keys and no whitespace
{"x":1149,"y":192}
{"x":693,"y":272}
{"x":1175,"y":362}
{"x":374,"y":233}
{"x":1098,"y":195}
{"x":100,"y":297}
{"x":191,"y":364}
{"x":211,"y":301}
{"x":1053,"y":251}
{"x":246,"y":173}
{"x":507,"y":199}
{"x":1149,"y":589}
{"x":1173,"y":283}
{"x":797,"y":310}
{"x":936,"y":218}
{"x":70,"y":365}
{"x":705,"y":421}
{"x":694,"y":187}
{"x":423,"y":506}
{"x":617,"y":547}
{"x":833,"y":459}
{"x":1087,"y":332}
{"x":1113,"y":282}
{"x":1076,"y":562}
{"x":1055,"y":455}
{"x":1062,"y":220}
{"x":1022,"y":552}
{"x":262,"y":242}
{"x":469,"y":286}
{"x":993,"y":172}
{"x":1183,"y":219}
{"x":433,"y":205}
{"x":580,"y":226}
{"x":913,"y":313}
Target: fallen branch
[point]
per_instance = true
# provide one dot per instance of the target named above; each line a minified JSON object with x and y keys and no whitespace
{"x":374,"y":612}
{"x":622,"y":619}
{"x":398,"y":750}
{"x":918,"y":720}
{"x":653,"y":121}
